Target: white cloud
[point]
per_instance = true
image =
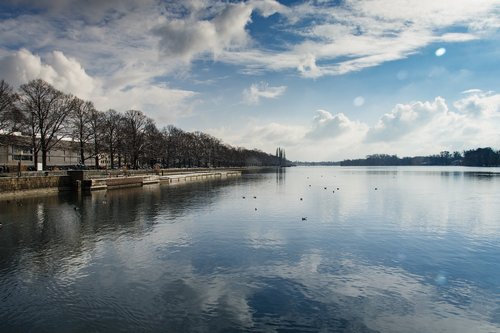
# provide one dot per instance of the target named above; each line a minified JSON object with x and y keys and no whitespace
{"x":160,"y":102}
{"x":416,"y":128}
{"x":264,"y":136}
{"x":361,"y":34}
{"x":62,"y":72}
{"x":71,"y":76}
{"x":117,"y":42}
{"x":108,"y":51}
{"x":422,"y":128}
{"x":471,"y":91}
{"x":23,"y":66}
{"x":190,"y":37}
{"x":479,"y":103}
{"x":280,"y":134}
{"x":328,"y":126}
{"x":163,"y":104}
{"x":255,"y":92}
{"x":404,"y":119}
{"x":326,"y":137}
{"x":269,"y":7}
{"x":184,"y":40}
{"x":116,"y":36}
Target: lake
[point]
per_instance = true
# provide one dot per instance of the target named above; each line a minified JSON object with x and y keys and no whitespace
{"x":305,"y":249}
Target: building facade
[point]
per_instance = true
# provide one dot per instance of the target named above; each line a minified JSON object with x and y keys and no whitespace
{"x":15,"y":149}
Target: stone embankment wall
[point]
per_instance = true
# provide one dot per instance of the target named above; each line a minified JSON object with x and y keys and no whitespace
{"x":15,"y":184}
{"x":79,"y":180}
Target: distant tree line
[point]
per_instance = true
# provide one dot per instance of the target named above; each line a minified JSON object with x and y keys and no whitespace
{"x":481,"y":157}
{"x":131,"y":139}
{"x":320,"y":163}
{"x":281,"y":157}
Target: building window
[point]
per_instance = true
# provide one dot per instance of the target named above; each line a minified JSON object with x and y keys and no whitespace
{"x":20,"y":153}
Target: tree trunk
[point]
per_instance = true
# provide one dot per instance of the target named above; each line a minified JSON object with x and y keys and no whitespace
{"x":96,"y":152}
{"x":111,"y":158}
{"x":35,"y":152}
{"x":82,"y":153}
{"x":44,"y":159}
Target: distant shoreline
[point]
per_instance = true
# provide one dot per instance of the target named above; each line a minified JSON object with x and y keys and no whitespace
{"x":479,"y":157}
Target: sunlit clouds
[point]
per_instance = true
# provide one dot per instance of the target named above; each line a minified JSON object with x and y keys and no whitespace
{"x":419,"y":127}
{"x":365,"y":75}
{"x":405,"y":118}
{"x":57,"y":69}
{"x":255,"y":92}
{"x":328,"y":126}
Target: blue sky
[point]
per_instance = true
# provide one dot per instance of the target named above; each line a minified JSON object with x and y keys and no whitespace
{"x":326,"y":80}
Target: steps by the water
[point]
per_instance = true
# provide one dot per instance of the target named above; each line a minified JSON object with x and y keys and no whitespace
{"x":108,"y":183}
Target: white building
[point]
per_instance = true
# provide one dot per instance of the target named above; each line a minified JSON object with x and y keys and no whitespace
{"x":17,"y":148}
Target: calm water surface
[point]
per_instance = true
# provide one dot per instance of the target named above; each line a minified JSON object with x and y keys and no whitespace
{"x":390,"y":250}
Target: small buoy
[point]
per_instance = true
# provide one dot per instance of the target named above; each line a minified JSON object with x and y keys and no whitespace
{"x":304,"y":219}
{"x":255,"y":197}
{"x":325,"y":188}
{"x":338,"y":189}
{"x":243,"y":197}
{"x":333,"y":191}
{"x":75,"y":208}
{"x":300,"y":199}
{"x":309,"y":185}
{"x":376,"y":188}
{"x":255,"y":208}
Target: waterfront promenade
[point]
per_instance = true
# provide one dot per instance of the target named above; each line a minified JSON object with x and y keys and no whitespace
{"x":33,"y":183}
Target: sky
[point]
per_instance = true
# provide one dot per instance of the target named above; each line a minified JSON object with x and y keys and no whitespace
{"x":325,"y":80}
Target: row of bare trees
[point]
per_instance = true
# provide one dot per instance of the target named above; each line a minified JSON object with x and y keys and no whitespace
{"x":131,"y":138}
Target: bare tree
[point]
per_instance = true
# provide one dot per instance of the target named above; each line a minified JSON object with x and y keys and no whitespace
{"x":154,"y":151}
{"x":112,"y":122}
{"x":47,"y":109}
{"x":96,"y":125}
{"x":10,"y":118}
{"x":134,"y":135}
{"x":80,"y":125}
{"x":173,"y":137}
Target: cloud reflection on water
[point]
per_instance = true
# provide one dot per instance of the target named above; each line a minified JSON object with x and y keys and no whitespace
{"x":199,"y":258}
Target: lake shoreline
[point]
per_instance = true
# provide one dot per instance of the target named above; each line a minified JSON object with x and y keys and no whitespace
{"x":97,"y":180}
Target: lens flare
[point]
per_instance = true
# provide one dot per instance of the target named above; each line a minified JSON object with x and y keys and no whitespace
{"x":440,"y":52}
{"x":359,"y":101}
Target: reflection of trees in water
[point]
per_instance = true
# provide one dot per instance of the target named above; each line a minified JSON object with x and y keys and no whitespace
{"x":65,"y":224}
{"x":36,"y":226}
{"x":280,"y":176}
